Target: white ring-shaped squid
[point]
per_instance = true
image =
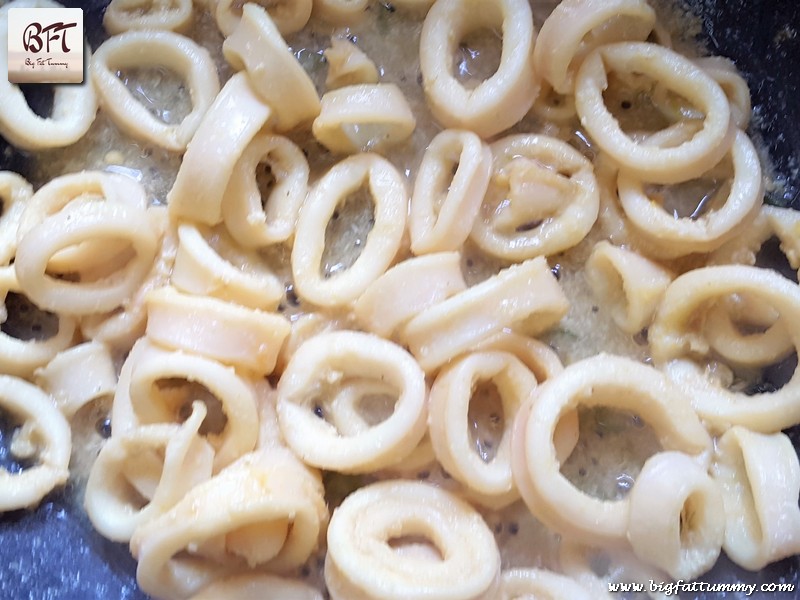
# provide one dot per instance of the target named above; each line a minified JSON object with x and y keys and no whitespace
{"x":26,"y":402}
{"x":255,"y":221}
{"x":460,"y":560}
{"x":673,"y":237}
{"x":552,"y":106}
{"x":762,"y":521}
{"x":368,"y":117}
{"x":521,"y":584}
{"x":313,"y":375}
{"x":149,"y":49}
{"x":646,"y":161}
{"x":444,"y":204}
{"x":724,"y":72}
{"x":276,"y":75}
{"x":677,"y":518}
{"x":340,"y":12}
{"x":290,"y":16}
{"x":390,"y":201}
{"x":348,"y":65}
{"x":124,"y":15}
{"x":448,"y":421}
{"x":258,"y":585}
{"x":575,"y":27}
{"x":153,"y":405}
{"x":160,"y":462}
{"x":543,"y":198}
{"x":407,"y":289}
{"x":15,"y":196}
{"x":602,"y":380}
{"x":74,"y":106}
{"x":265,"y":510}
{"x":505,"y":97}
{"x":674,"y":336}
{"x":73,"y":225}
{"x":525,"y":297}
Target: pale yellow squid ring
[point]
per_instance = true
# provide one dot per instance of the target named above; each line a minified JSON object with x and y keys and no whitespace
{"x":672,"y":342}
{"x":290,"y":16}
{"x":677,"y":237}
{"x":505,"y":97}
{"x":340,"y":12}
{"x":361,"y":563}
{"x":252,"y":220}
{"x":15,"y":195}
{"x":646,"y":161}
{"x":390,"y":201}
{"x":124,"y":15}
{"x":154,"y":48}
{"x":73,"y":225}
{"x":523,"y":584}
{"x":444,"y":206}
{"x":529,"y":168}
{"x":23,"y":400}
{"x":313,"y":374}
{"x":602,"y":380}
{"x":258,"y":585}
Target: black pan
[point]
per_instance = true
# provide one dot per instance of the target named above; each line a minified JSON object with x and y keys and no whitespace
{"x":53,"y":552}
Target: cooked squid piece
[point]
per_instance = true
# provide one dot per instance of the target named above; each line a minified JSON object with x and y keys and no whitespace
{"x":524,"y":297}
{"x":647,"y":161}
{"x":677,"y":341}
{"x":289,"y":16}
{"x":390,"y":206}
{"x":47,"y":436}
{"x":603,"y":380}
{"x":306,"y":326}
{"x":156,"y":390}
{"x":451,"y":397}
{"x":552,"y":106}
{"x":98,"y":376}
{"x":142,"y":473}
{"x":540,"y":358}
{"x":222,"y":271}
{"x":340,"y":12}
{"x":407,"y":289}
{"x":518,"y":584}
{"x":76,"y":224}
{"x":762,"y":520}
{"x":368,"y":117}
{"x":448,"y":190}
{"x":501,"y":100}
{"x":125,"y":15}
{"x":244,"y":338}
{"x":576,"y":27}
{"x":629,"y":284}
{"x":315,"y":375}
{"x":15,"y":196}
{"x":677,"y":518}
{"x":266,"y":510}
{"x":259,"y":586}
{"x":785,"y":224}
{"x":257,"y":48}
{"x":669,"y":237}
{"x":403,"y":540}
{"x":74,"y":106}
{"x":229,"y":125}
{"x":255,"y":220}
{"x":542,"y":199}
{"x":348,"y":65}
{"x":140,"y":49}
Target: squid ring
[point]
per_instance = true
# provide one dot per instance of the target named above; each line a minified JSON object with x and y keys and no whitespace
{"x":124,"y":15}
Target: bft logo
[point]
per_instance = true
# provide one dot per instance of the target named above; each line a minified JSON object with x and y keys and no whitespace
{"x":45,"y":45}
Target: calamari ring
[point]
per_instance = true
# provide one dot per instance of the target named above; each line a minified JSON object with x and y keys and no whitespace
{"x":348,"y":65}
{"x":673,"y":237}
{"x":464,"y":563}
{"x":649,"y":162}
{"x":543,"y":198}
{"x":73,"y":225}
{"x":311,"y":377}
{"x":602,"y":380}
{"x":15,"y":196}
{"x":154,"y":48}
{"x":367,"y":117}
{"x":502,"y":99}
{"x":290,"y":16}
{"x":258,"y":585}
{"x":27,"y":402}
{"x":677,"y":518}
{"x":340,"y":12}
{"x":255,"y":221}
{"x":674,"y":337}
{"x":444,"y":205}
{"x":124,"y":15}
{"x":575,"y":27}
{"x":390,"y":202}
{"x":518,"y":584}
